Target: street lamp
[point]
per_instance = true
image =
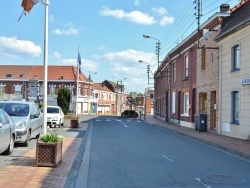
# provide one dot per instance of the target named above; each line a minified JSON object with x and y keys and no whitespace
{"x":158,"y":47}
{"x":117,"y":84}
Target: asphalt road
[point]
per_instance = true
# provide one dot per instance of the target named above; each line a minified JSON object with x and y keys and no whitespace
{"x":131,"y":153}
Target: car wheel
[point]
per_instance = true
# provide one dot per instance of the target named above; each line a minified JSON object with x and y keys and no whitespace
{"x":26,"y":143}
{"x":11,"y":146}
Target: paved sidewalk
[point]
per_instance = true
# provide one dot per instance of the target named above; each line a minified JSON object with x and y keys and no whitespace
{"x":23,"y":173}
{"x":233,"y":145}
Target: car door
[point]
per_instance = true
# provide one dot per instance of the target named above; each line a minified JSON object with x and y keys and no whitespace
{"x":37,"y":119}
{"x":5,"y":130}
{"x":33,"y":120}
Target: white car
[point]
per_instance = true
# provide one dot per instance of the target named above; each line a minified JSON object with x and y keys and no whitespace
{"x":7,"y":133}
{"x":55,"y":116}
{"x":27,"y":118}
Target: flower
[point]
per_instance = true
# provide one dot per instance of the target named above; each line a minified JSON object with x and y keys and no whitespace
{"x":51,"y":137}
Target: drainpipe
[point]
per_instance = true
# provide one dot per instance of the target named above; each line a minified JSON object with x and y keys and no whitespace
{"x":220,"y":92}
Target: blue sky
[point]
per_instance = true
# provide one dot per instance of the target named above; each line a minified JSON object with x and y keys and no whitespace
{"x":109,"y":33}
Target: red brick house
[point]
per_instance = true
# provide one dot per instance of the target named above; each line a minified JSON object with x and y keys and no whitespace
{"x":16,"y":81}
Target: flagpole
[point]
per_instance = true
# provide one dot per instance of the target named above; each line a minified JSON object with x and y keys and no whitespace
{"x":77,"y":81}
{"x":45,"y":66}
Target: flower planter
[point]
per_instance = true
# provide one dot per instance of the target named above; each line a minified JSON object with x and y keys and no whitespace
{"x":48,"y":154}
{"x":74,"y":123}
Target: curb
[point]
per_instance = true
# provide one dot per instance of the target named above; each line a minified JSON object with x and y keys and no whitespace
{"x":77,"y":162}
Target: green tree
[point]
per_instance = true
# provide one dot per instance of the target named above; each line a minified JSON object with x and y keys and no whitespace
{"x":63,"y":99}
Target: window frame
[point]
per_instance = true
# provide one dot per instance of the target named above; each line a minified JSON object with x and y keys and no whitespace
{"x":203,"y":60}
{"x":186,"y":65}
{"x":235,"y":107}
{"x":186,"y":103}
{"x":235,"y":57}
{"x":173,"y":102}
{"x":174,"y":71}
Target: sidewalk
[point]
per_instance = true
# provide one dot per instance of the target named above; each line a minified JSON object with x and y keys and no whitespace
{"x":23,"y":173}
{"x":233,"y":145}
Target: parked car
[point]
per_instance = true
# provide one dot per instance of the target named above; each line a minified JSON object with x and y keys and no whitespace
{"x":129,"y":113}
{"x":27,"y":117}
{"x":7,"y":133}
{"x":55,"y":116}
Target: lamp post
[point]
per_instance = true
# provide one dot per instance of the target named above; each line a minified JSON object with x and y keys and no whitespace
{"x":90,"y":80}
{"x":45,"y":66}
{"x":90,"y":94}
{"x":117,"y":84}
{"x":158,"y":47}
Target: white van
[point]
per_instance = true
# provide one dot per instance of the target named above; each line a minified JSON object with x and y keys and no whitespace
{"x":27,"y":117}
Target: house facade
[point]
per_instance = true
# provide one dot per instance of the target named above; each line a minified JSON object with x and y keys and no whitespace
{"x":234,"y":71}
{"x":106,"y":100}
{"x":24,"y":82}
{"x":187,"y":80}
{"x":121,"y":95}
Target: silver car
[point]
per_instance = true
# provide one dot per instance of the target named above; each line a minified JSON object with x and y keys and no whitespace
{"x":27,"y":117}
{"x":7,"y":133}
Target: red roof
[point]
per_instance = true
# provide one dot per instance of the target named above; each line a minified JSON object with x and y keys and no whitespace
{"x":29,"y":72}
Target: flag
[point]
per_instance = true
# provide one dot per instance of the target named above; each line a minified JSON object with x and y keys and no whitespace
{"x":28,"y":4}
{"x":79,"y":62}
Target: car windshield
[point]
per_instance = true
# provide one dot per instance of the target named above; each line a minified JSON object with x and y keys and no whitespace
{"x":52,"y":110}
{"x":15,"y":109}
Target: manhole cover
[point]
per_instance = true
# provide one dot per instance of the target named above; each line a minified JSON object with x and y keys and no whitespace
{"x":223,"y":178}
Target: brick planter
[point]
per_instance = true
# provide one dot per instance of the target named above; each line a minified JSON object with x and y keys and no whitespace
{"x":74,"y":123}
{"x":48,"y":154}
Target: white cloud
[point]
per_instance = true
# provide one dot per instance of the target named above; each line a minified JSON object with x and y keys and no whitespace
{"x":166,"y":20}
{"x":137,"y":3}
{"x":14,"y":48}
{"x":160,"y":11}
{"x":57,"y":55}
{"x":70,"y":31}
{"x":129,"y":56}
{"x":87,"y":65}
{"x":134,"y":16}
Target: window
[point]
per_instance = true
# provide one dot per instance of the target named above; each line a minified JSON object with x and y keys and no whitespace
{"x":203,"y":102}
{"x":8,"y":75}
{"x":236,"y":58}
{"x":17,"y":88}
{"x":186,"y":66}
{"x":174,"y":71}
{"x":203,"y":60}
{"x":186,"y":103}
{"x":173,"y":102}
{"x":21,"y":75}
{"x":2,"y":88}
{"x":235,"y":107}
{"x":52,"y":89}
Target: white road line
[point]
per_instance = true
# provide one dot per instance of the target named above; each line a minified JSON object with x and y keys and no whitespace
{"x":98,"y":120}
{"x":167,"y":158}
{"x":199,"y":180}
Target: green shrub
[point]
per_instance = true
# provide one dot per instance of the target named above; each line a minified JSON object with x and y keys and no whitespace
{"x":51,"y":137}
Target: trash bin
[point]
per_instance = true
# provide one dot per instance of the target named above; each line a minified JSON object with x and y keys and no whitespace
{"x":201,"y":122}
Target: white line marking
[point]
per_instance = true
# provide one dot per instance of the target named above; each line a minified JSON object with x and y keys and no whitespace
{"x":199,"y":180}
{"x":167,"y":158}
{"x":98,"y":120}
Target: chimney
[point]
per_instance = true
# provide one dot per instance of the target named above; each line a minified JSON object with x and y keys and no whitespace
{"x":224,"y":8}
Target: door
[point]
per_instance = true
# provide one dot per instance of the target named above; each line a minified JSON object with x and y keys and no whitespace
{"x":4,"y":131}
{"x":213,"y":111}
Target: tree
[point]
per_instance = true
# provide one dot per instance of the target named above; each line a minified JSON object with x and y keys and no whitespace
{"x":63,"y":99}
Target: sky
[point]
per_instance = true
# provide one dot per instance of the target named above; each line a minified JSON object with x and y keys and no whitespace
{"x":107,"y":33}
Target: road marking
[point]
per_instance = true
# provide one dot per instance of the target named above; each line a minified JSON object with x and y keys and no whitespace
{"x":167,"y":158}
{"x":98,"y":120}
{"x":199,"y":180}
